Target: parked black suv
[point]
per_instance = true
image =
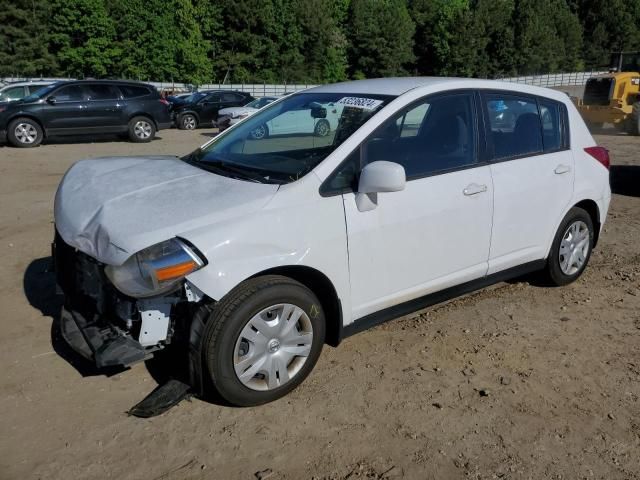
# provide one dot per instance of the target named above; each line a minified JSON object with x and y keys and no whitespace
{"x":202,"y":107}
{"x":85,"y":107}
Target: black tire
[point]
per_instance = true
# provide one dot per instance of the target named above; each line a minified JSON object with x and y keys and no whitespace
{"x":141,"y":129}
{"x":229,"y":317}
{"x":24,"y":133}
{"x":634,"y":120}
{"x":553,"y":270}
{"x":322,"y":128}
{"x":260,"y":132}
{"x":188,"y":121}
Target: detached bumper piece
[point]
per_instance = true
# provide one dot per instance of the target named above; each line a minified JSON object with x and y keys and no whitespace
{"x":103,"y":345}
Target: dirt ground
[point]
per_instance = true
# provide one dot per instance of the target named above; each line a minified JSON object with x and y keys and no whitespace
{"x":516,"y":381}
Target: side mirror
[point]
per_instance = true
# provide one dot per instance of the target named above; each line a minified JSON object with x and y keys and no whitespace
{"x":51,"y":100}
{"x":378,"y":177}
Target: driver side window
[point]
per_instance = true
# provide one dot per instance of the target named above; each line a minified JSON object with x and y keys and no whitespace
{"x":433,"y":136}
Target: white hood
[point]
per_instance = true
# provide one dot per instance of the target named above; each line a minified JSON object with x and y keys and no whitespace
{"x":112,"y":207}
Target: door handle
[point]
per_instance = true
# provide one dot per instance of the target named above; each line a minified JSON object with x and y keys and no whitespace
{"x":474,"y":189}
{"x":560,"y":169}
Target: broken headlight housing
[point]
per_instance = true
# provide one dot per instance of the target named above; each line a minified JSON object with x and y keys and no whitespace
{"x":155,"y":270}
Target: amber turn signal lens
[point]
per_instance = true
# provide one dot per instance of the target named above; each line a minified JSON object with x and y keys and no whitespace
{"x":175,"y":271}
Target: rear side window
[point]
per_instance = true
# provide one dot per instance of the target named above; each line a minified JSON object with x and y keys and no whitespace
{"x":515,"y":126}
{"x":132,"y":91}
{"x":231,"y":97}
{"x":101,"y":92}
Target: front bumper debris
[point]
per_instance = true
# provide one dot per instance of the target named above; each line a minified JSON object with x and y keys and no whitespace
{"x":103,"y":345}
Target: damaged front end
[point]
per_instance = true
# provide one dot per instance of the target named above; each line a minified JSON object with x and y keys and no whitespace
{"x":150,"y":309}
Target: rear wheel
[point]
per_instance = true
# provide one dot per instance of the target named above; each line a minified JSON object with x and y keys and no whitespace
{"x":24,"y":133}
{"x":260,"y":132}
{"x":141,"y":129}
{"x":571,"y":248}
{"x":263,"y":339}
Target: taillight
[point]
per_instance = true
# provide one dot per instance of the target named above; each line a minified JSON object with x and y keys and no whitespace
{"x":164,"y":101}
{"x":601,"y":154}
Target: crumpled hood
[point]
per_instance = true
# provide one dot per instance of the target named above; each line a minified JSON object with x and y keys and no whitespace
{"x":112,"y":207}
{"x":236,"y":111}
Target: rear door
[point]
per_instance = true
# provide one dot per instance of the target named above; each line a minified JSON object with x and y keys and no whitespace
{"x":104,"y":107}
{"x":533,"y":171}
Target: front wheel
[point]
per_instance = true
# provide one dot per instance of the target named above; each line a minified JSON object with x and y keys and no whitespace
{"x":263,"y":339}
{"x":24,"y":133}
{"x":571,"y":248}
{"x":322,"y":128}
{"x":141,"y":130}
{"x":188,"y":122}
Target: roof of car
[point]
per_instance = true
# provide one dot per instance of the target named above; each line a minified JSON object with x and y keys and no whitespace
{"x":107,"y":81}
{"x":27,"y":82}
{"x":400,"y":85}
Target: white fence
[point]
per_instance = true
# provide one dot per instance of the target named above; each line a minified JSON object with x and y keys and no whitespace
{"x":574,"y":79}
{"x":264,"y":89}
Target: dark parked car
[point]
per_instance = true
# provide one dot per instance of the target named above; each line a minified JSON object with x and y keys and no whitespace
{"x":202,"y":108}
{"x":85,"y":107}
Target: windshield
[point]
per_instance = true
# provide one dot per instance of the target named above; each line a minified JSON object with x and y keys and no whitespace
{"x":260,"y":102}
{"x":286,"y":140}
{"x":41,"y":93}
{"x":194,"y":97}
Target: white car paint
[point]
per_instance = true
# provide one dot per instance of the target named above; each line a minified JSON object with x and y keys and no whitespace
{"x":428,"y":237}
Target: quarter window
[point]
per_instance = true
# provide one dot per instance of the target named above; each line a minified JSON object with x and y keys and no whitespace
{"x":551,"y":115}
{"x":433,"y":136}
{"x":132,"y":91}
{"x":515,"y":126}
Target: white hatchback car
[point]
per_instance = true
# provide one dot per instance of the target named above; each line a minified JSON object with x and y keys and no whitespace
{"x":248,"y":254}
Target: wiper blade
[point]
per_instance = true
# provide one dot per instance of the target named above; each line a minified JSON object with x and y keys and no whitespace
{"x":245,"y":173}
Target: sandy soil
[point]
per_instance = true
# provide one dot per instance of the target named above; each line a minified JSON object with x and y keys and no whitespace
{"x":516,"y":381}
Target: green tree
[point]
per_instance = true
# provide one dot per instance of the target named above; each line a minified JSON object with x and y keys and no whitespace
{"x":24,"y":39}
{"x":82,"y":37}
{"x":380,"y":37}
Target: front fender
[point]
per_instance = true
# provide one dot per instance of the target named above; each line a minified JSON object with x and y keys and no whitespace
{"x":309,"y":234}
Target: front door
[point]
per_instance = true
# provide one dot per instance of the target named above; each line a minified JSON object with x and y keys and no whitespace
{"x":65,"y":110}
{"x":435,"y":233}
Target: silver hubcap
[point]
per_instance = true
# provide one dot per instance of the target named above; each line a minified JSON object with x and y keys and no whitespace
{"x":189,"y":122}
{"x":142,"y":129}
{"x":272,"y":347}
{"x":26,"y":133}
{"x":574,"y":248}
{"x":258,"y":132}
{"x":322,"y":129}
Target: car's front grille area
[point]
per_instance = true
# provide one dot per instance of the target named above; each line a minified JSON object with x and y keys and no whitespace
{"x":85,"y":285}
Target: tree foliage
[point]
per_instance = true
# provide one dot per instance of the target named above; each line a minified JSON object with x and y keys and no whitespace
{"x":202,"y":41}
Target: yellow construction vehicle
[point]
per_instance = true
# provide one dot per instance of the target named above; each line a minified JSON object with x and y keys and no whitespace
{"x":615,"y":97}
